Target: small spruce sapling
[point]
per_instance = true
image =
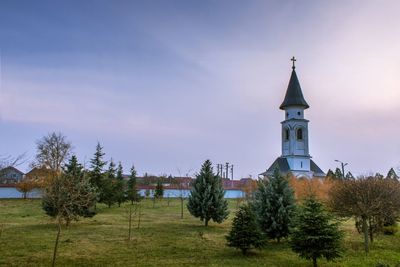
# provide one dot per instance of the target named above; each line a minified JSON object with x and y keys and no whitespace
{"x":245,"y":233}
{"x":315,"y":234}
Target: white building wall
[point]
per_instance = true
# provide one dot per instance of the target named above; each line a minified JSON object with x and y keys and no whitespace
{"x":295,"y":150}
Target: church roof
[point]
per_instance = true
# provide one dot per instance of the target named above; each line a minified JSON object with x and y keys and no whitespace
{"x":282,"y":165}
{"x":317,"y":170}
{"x":294,"y":96}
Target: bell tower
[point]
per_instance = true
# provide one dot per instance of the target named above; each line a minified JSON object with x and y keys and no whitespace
{"x":295,"y":156}
{"x":295,"y":126}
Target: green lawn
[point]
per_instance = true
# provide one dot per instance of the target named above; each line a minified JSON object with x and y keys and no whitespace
{"x":163,"y":240}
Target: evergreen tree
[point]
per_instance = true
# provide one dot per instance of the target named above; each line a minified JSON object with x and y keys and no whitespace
{"x":69,"y":196}
{"x":330,"y":174}
{"x":119,"y":186}
{"x":338,"y":174}
{"x":97,"y":165}
{"x":108,"y":193}
{"x":74,"y":181}
{"x":349,"y":176}
{"x":206,"y":199}
{"x":132,"y":191}
{"x":392,"y":175}
{"x":159,"y":191}
{"x":245,"y":233}
{"x":73,"y":168}
{"x":275,"y":206}
{"x":315,"y":235}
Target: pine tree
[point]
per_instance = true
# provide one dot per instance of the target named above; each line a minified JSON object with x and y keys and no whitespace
{"x":338,"y":174}
{"x":132,"y":192}
{"x":75,"y":184}
{"x":119,"y":186}
{"x":315,"y":235}
{"x":245,"y":233}
{"x":349,"y":176}
{"x":159,"y":191}
{"x":392,"y":175}
{"x":206,"y":199}
{"x":330,"y":174}
{"x":97,"y":165}
{"x":275,"y":206}
{"x":108,"y":193}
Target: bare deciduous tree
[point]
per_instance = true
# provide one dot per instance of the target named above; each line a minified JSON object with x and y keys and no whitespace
{"x":7,"y":161}
{"x":69,"y":196}
{"x":366,"y":199}
{"x":183,"y":187}
{"x":52,"y":151}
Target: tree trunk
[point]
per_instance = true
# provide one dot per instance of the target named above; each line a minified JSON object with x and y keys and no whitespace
{"x":371,"y":233}
{"x":371,"y":236}
{"x":278,"y":239}
{"x":140,"y":214}
{"x":56,"y":244}
{"x":365,"y":231}
{"x":130,"y":223}
{"x":181,"y":207}
{"x":206,"y":222}
{"x":314,"y":261}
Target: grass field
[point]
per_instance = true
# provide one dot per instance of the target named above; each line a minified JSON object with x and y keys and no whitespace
{"x":163,"y":239}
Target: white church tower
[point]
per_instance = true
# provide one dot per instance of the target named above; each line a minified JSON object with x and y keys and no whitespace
{"x":295,"y":157}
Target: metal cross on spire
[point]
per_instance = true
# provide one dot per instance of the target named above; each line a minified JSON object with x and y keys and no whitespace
{"x":293,"y":59}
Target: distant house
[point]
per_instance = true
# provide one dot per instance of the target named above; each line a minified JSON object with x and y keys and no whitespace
{"x":10,"y":175}
{"x":236,"y":184}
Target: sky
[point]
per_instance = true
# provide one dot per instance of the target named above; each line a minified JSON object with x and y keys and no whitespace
{"x":166,"y":85}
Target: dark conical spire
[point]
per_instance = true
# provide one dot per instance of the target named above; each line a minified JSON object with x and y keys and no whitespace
{"x":294,"y":96}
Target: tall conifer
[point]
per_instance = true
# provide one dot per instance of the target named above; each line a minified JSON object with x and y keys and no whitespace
{"x":97,"y":165}
{"x":206,"y":199}
{"x":119,"y":186}
{"x":275,"y":206}
{"x":132,"y":192}
{"x":108,"y":192}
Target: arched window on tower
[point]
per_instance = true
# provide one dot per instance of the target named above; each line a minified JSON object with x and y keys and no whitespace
{"x":299,"y":134}
{"x":287,"y":134}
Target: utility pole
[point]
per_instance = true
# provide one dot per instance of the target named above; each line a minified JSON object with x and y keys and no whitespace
{"x":232,"y":175}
